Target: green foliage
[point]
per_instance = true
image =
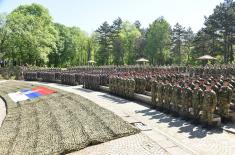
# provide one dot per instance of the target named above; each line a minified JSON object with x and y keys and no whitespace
{"x":104,"y":40}
{"x":158,"y":41}
{"x":129,"y":35}
{"x":220,"y":30}
{"x":28,"y":36}
{"x":32,"y":35}
{"x":181,"y":44}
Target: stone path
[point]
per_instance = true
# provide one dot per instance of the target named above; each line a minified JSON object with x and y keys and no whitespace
{"x":131,"y":145}
{"x":2,"y":111}
{"x":173,"y":135}
{"x":2,"y":108}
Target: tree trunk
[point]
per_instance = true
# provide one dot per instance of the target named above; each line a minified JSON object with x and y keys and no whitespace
{"x":225,"y":49}
{"x":231,"y":53}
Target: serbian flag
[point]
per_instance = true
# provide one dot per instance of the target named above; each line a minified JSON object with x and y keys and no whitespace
{"x":26,"y":94}
{"x":30,"y":94}
{"x":18,"y":96}
{"x":43,"y":90}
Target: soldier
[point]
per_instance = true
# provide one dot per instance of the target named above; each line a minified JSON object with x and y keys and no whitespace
{"x":214,"y":87}
{"x":202,"y":85}
{"x":168,"y":94}
{"x":197,"y":100}
{"x":137,"y":84}
{"x":127,"y":86}
{"x":132,"y":87}
{"x":209,"y":104}
{"x":153,"y":91}
{"x":111,"y":84}
{"x":176,"y":97}
{"x":160,"y":94}
{"x":225,"y":97}
{"x":143,"y":85}
{"x":187,"y":98}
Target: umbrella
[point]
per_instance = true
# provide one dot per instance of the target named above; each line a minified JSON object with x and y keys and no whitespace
{"x":142,"y":60}
{"x":206,"y":57}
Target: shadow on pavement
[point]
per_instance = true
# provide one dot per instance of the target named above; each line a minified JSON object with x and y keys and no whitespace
{"x":84,"y":90}
{"x":194,"y":131}
{"x":48,"y":83}
{"x":114,"y":99}
{"x":230,"y":127}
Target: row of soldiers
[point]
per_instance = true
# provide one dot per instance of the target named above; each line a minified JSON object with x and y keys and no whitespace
{"x":122,"y":86}
{"x":91,"y":81}
{"x":193,"y":97}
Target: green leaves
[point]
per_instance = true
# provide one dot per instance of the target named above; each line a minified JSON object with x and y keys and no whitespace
{"x":158,"y":41}
{"x":31,"y":33}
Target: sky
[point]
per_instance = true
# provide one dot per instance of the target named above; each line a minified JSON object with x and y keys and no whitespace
{"x":90,"y":14}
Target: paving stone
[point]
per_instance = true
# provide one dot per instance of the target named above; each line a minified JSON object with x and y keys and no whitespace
{"x":2,"y":111}
{"x":138,"y":144}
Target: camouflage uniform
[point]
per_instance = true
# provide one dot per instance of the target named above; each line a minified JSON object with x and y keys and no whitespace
{"x":160,"y":94}
{"x":187,"y":99}
{"x":168,"y":95}
{"x":132,"y":87}
{"x":197,"y":102}
{"x":209,"y":104}
{"x":225,"y":97}
{"x":176,"y":98}
{"x":153,"y":92}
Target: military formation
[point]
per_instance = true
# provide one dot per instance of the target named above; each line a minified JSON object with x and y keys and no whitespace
{"x":91,"y":81}
{"x":199,"y":93}
{"x":122,"y":86}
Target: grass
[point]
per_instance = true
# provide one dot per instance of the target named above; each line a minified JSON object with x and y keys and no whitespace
{"x":56,"y":124}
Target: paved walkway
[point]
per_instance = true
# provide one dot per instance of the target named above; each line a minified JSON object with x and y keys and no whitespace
{"x":173,"y":135}
{"x":2,"y":111}
{"x":138,"y":144}
{"x":2,"y":108}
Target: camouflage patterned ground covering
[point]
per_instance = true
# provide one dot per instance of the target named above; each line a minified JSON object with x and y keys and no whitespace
{"x":56,"y":124}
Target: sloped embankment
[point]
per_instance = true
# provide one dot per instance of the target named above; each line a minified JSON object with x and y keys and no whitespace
{"x":56,"y":124}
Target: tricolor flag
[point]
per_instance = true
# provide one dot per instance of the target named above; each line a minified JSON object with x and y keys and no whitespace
{"x":27,"y":94}
{"x":18,"y":96}
{"x":30,"y":94}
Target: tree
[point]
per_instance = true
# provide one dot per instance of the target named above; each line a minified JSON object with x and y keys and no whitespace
{"x":117,"y":46}
{"x":140,"y":42}
{"x":118,"y":52}
{"x":104,"y":40}
{"x":178,"y":39}
{"x":4,"y":34}
{"x":128,"y":35}
{"x":32,"y":35}
{"x":158,"y":41}
{"x":220,"y":25}
{"x":200,"y":45}
{"x":71,"y":47}
{"x":189,"y":37}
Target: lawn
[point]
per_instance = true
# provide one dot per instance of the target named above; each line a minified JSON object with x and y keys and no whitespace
{"x":56,"y":124}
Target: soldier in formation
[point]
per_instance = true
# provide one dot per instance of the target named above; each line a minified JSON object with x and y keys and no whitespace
{"x":197,"y":99}
{"x":225,"y":97}
{"x":171,"y":88}
{"x":209,"y":104}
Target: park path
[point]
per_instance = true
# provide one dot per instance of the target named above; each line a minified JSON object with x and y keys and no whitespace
{"x":168,"y":134}
{"x":2,"y":108}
